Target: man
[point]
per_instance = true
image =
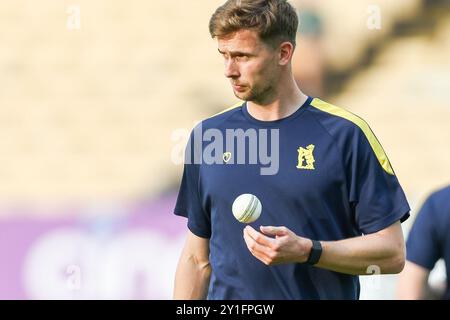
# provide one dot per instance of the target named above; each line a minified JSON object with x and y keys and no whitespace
{"x":332,"y":182}
{"x":428,"y":241}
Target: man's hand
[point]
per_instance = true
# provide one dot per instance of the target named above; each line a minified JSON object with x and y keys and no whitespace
{"x":285,"y":247}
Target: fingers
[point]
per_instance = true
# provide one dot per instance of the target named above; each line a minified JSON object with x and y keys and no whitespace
{"x":259,"y":251}
{"x":265,"y":248}
{"x":274,"y":231}
{"x":259,"y":237}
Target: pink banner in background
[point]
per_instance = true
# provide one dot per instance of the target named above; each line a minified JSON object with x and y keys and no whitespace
{"x":93,"y":252}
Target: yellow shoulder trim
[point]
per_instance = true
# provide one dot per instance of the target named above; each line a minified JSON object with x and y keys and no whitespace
{"x":228,"y":109}
{"x":373,"y":141}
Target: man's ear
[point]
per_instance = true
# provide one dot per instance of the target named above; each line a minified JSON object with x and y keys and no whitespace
{"x":286,"y":50}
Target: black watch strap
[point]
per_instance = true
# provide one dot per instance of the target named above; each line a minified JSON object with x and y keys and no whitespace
{"x":316,"y":252}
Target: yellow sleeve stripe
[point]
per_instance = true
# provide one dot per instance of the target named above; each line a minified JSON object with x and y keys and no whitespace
{"x":228,"y":109}
{"x":373,"y":141}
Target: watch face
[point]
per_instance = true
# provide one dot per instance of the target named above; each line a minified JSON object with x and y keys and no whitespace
{"x":317,"y":245}
{"x":316,"y":252}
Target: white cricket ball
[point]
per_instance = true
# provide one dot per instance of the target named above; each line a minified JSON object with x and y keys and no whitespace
{"x":246,"y":208}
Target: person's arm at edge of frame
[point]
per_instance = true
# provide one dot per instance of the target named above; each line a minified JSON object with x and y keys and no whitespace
{"x":412,"y":282}
{"x":193,"y":270}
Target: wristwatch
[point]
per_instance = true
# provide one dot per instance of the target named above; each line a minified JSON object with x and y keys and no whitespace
{"x":316,"y":252}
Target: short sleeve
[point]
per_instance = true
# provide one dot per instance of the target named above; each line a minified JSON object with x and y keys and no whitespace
{"x":422,"y":245}
{"x":375,"y":192}
{"x":189,"y":203}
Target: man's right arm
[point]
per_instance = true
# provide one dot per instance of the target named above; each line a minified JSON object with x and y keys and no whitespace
{"x":193,"y":270}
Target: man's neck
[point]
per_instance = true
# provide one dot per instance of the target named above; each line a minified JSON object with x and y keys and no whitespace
{"x":286,"y":102}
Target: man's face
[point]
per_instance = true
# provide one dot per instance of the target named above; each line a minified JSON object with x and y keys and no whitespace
{"x":250,"y":64}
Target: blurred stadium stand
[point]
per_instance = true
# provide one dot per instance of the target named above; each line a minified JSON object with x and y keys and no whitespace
{"x":87,"y":119}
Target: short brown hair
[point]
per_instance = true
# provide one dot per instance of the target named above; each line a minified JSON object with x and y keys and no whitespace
{"x":274,"y":20}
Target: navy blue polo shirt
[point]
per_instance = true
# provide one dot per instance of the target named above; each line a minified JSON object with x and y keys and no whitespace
{"x":328,"y":179}
{"x":429,"y":238}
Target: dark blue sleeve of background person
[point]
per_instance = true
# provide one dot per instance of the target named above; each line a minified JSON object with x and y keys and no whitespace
{"x":424,"y":246}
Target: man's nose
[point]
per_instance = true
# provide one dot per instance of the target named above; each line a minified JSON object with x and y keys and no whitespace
{"x":231,"y":69}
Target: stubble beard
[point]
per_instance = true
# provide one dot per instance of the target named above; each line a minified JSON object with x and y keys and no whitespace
{"x":256,"y":95}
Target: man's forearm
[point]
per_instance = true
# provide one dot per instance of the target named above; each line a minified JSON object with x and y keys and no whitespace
{"x":363,"y":255}
{"x":191,"y":279}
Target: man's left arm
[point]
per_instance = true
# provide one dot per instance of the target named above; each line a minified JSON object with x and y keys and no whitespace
{"x":384,"y":249}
